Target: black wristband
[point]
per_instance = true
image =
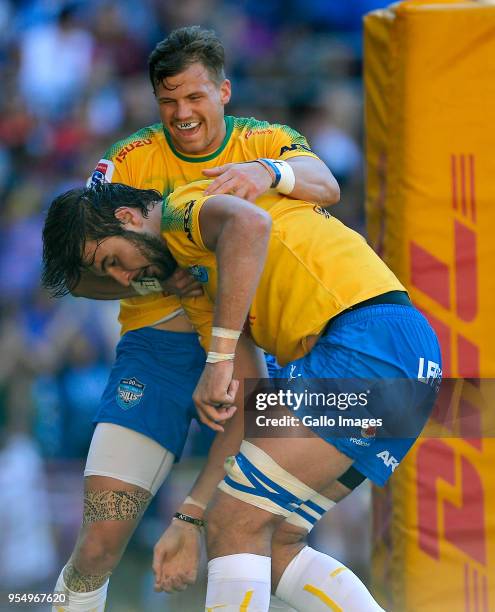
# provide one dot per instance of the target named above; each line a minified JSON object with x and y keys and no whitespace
{"x":190,"y":519}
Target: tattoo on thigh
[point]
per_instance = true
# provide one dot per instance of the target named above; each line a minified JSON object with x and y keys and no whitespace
{"x":114,"y":505}
{"x":81,"y":583}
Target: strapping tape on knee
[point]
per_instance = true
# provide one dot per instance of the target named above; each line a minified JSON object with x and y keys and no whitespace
{"x":255,"y":478}
{"x":310,"y":512}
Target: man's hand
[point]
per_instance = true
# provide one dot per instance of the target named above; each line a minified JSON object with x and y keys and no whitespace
{"x":215,"y":394}
{"x":176,"y":557}
{"x":248,"y":180}
{"x":181,"y":283}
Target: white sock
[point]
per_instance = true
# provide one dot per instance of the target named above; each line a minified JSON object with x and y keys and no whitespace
{"x":315,"y":582}
{"x":93,"y":601}
{"x":277,"y":605}
{"x":238,"y":583}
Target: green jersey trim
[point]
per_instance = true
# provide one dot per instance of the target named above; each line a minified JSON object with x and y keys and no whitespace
{"x":229,"y":126}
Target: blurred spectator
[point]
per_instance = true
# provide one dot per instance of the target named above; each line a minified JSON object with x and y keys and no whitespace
{"x":27,"y":550}
{"x":82,"y":381}
{"x":20,"y":242}
{"x":55,"y":64}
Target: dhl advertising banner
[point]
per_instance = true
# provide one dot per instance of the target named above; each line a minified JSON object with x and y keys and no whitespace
{"x":430,"y":125}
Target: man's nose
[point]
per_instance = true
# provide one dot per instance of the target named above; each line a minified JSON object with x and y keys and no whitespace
{"x":121,"y":276}
{"x":183,"y":111}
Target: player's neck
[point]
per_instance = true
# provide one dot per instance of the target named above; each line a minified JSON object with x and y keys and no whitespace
{"x":154,"y":219}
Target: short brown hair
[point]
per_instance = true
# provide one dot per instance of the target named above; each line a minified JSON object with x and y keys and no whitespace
{"x":184,"y":47}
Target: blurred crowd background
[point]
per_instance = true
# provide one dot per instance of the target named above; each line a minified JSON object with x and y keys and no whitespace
{"x":73,"y":81}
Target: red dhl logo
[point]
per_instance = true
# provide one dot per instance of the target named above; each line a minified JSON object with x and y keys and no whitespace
{"x":435,"y":459}
{"x":432,"y":276}
{"x":130,"y":147}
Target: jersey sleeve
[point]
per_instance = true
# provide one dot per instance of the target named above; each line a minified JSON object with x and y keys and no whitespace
{"x":180,"y":219}
{"x":106,"y":172}
{"x":286,"y":142}
{"x":113,"y":168}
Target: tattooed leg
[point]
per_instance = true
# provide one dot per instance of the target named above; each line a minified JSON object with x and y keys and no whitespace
{"x":114,"y":505}
{"x":82,"y":583}
{"x":112,"y":511}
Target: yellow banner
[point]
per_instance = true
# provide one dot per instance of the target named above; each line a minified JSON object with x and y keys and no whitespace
{"x":430,"y":95}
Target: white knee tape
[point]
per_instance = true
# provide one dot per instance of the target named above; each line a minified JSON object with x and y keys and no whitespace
{"x":310,"y":512}
{"x":255,"y":478}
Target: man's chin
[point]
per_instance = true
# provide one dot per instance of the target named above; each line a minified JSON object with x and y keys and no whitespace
{"x":193,"y":146}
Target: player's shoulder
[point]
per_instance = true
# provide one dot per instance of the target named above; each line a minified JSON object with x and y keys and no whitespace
{"x":187,"y":194}
{"x":180,"y":206}
{"x":250,"y":129}
{"x":126,"y":149}
{"x":144,"y":137}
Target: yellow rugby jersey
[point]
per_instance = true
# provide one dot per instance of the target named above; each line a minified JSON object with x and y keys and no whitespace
{"x":316,"y":267}
{"x":148,"y":160}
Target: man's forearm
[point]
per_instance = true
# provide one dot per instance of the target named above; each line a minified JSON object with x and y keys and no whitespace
{"x":241,"y":252}
{"x":224,"y":445}
{"x":101,"y":288}
{"x":249,"y":363}
{"x":314,"y":181}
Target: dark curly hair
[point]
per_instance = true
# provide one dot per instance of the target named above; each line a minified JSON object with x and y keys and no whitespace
{"x":184,"y":47}
{"x":80,"y":215}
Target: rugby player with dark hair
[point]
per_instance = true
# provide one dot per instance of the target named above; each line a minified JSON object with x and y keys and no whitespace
{"x":311,"y":292}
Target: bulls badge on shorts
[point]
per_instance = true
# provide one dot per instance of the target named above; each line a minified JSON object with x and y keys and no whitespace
{"x":129,"y":393}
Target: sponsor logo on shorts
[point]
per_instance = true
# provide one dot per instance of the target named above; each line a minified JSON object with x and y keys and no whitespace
{"x":388,"y":460}
{"x":102,"y":173}
{"x":200,"y":273}
{"x":293,"y":374}
{"x":368,"y":432}
{"x":428,"y":370}
{"x":129,"y":393}
{"x":359,"y":442}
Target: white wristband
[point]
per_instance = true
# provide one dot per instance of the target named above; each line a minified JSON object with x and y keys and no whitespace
{"x":287,"y":180}
{"x":193,"y":502}
{"x":214,"y":357}
{"x":223,"y":332}
{"x":147,"y":285}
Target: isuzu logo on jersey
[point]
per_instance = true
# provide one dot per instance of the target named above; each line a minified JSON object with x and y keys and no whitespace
{"x":130,"y":147}
{"x":102,"y":173}
{"x":129,"y":393}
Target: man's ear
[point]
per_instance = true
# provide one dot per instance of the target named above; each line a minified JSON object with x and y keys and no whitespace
{"x":130,"y":217}
{"x":225,"y":92}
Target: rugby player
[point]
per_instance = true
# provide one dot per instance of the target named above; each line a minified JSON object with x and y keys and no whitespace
{"x":146,"y":407}
{"x":318,"y":298}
